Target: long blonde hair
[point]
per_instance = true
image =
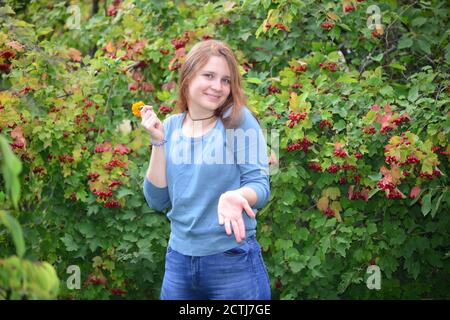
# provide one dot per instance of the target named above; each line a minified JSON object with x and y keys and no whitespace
{"x":197,"y":57}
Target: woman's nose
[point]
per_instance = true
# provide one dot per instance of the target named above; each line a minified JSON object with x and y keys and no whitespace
{"x":217,"y":85}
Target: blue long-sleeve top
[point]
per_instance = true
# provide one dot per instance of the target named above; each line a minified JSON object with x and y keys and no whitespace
{"x":198,"y":171}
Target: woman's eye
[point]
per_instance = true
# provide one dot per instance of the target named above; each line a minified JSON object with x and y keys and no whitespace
{"x":208,"y":75}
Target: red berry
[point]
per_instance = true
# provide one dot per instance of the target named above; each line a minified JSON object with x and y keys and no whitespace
{"x":133,"y":86}
{"x":349,"y":8}
{"x":281,"y":26}
{"x":112,"y":204}
{"x":329,"y":212}
{"x":164,"y":51}
{"x":327,"y":25}
{"x":333,"y":168}
{"x":273,"y":89}
{"x":111,"y":11}
{"x":382,"y":184}
{"x":315,"y":166}
{"x":340,"y":153}
{"x":412,"y":159}
{"x":278,"y":284}
{"x":391,"y":159}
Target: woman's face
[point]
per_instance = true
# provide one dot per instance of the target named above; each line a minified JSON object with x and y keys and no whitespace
{"x":211,"y":85}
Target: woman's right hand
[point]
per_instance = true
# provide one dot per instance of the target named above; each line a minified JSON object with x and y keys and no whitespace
{"x":152,"y":124}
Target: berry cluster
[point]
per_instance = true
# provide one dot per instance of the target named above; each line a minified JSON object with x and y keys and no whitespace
{"x":163,"y":109}
{"x":314,"y":166}
{"x":375,"y":34}
{"x":93,"y":175}
{"x":299,"y":145}
{"x":391,"y":159}
{"x":395,"y":194}
{"x":358,"y":195}
{"x":112,"y":9}
{"x":115,"y":163}
{"x":327,"y":25}
{"x":7,"y":55}
{"x":403,"y":118}
{"x":104,"y":189}
{"x":411,"y":159}
{"x":295,"y":118}
{"x":385,"y":129}
{"x":430,"y":176}
{"x":17,"y":145}
{"x":385,"y":185}
{"x":38,"y":170}
{"x":94,"y":280}
{"x":224,"y":21}
{"x":328,"y":65}
{"x":369,"y":130}
{"x":349,"y":8}
{"x":348,"y":167}
{"x":82,"y":117}
{"x":103,"y":194}
{"x":279,"y":26}
{"x":297,"y":86}
{"x":300,"y":68}
{"x":24,"y":90}
{"x":325,"y":123}
{"x":117,"y":291}
{"x":273,"y":89}
{"x":341,"y":153}
{"x":66,"y":158}
{"x":112,"y":204}
{"x":115,"y":183}
{"x":333,"y":168}
{"x":329,"y":212}
{"x":179,"y":43}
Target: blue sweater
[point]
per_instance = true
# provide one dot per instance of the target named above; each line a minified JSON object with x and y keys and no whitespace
{"x":198,"y":171}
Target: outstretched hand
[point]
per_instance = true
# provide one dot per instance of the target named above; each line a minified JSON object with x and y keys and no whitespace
{"x":231,"y":204}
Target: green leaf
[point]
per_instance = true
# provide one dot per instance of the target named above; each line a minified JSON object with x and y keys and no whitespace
{"x":398,"y":66}
{"x":296,"y":266}
{"x":11,"y":168}
{"x":436,"y":205}
{"x":69,"y":242}
{"x":413,"y":93}
{"x":314,"y":262}
{"x":375,"y":177}
{"x":426,"y":205}
{"x":378,"y":58}
{"x":404,"y":42}
{"x":254,"y":80}
{"x":371,"y":228}
{"x":340,"y":125}
{"x":417,"y":22}
{"x":16,"y":232}
{"x":130,"y":237}
{"x":124,"y":192}
{"x":303,"y":233}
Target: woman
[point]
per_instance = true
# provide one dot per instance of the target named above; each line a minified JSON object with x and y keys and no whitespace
{"x":209,"y":164}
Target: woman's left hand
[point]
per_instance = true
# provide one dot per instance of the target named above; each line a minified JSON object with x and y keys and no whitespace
{"x":231,"y":204}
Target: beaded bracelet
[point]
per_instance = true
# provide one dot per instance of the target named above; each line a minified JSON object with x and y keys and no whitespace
{"x":157,"y":144}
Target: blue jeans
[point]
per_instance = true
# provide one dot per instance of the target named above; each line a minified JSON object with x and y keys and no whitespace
{"x":236,"y":274}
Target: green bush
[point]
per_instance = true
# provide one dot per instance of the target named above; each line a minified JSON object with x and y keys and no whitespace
{"x":359,"y":166}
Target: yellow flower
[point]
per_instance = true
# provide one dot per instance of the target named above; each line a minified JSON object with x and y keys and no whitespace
{"x":136,"y":108}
